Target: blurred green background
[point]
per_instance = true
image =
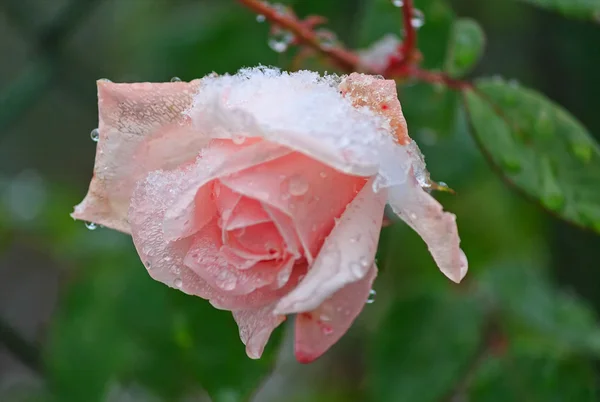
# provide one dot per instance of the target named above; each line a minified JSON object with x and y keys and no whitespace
{"x":80,"y":319}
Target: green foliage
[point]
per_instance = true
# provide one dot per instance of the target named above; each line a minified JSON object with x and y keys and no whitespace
{"x":586,"y":9}
{"x":422,"y":347}
{"x":539,"y":147}
{"x":117,"y":326}
{"x":465,"y":48}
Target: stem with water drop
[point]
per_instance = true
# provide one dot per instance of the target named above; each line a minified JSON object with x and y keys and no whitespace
{"x":403,"y":67}
{"x":344,"y":59}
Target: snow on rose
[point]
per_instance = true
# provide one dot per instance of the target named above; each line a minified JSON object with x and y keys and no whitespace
{"x":263,"y":192}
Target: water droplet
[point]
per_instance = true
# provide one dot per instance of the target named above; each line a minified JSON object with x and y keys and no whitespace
{"x":583,"y":151}
{"x":297,"y":185}
{"x":371,"y":298}
{"x":398,"y":3}
{"x":260,"y":18}
{"x":324,"y":317}
{"x":104,"y":80}
{"x":91,"y":225}
{"x":327,"y":39}
{"x":365,"y":262}
{"x":178,"y":283}
{"x":357,"y":269}
{"x":355,"y":239}
{"x":418,"y":19}
{"x":175,"y":79}
{"x":280,"y":40}
{"x":238,"y":139}
{"x":148,"y":264}
{"x":323,"y":175}
{"x":229,"y":284}
{"x":327,"y":330}
{"x":95,"y":135}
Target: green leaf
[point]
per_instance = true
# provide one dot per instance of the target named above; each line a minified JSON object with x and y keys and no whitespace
{"x":466,"y":47}
{"x":539,"y":148}
{"x":585,"y":9}
{"x":538,"y":318}
{"x":517,"y":377}
{"x":116,"y":326}
{"x":423,"y":347}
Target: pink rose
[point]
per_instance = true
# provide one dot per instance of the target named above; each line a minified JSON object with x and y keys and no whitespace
{"x":264,"y":192}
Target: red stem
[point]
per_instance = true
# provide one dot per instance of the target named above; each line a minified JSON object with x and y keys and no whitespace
{"x":346,"y":60}
{"x":410,"y":41}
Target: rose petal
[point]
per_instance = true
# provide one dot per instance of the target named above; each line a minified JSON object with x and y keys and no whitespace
{"x":303,"y":112}
{"x":262,"y":296}
{"x":256,"y":326}
{"x":437,"y":228}
{"x":346,"y":256}
{"x":286,"y":228}
{"x":408,"y":199}
{"x":141,"y":129}
{"x":208,"y":262}
{"x":319,"y":329}
{"x":247,"y":212}
{"x":223,"y":158}
{"x":311,"y":193}
{"x":381,"y":97}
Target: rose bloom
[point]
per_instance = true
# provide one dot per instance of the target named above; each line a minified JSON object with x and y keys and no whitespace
{"x":264,"y":192}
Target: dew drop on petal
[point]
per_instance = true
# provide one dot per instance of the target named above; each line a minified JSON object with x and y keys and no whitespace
{"x":356,"y":269}
{"x":398,"y":3}
{"x":371,"y":298}
{"x":175,"y":79}
{"x":260,"y":18}
{"x":238,"y":139}
{"x":297,"y":185}
{"x":323,"y":175}
{"x":418,"y":19}
{"x":365,"y":262}
{"x":95,"y":135}
{"x":91,"y":225}
{"x":178,"y":283}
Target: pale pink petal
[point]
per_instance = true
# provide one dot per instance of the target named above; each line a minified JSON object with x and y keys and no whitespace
{"x":311,"y":193}
{"x":247,"y":212}
{"x":208,"y":262}
{"x":381,"y":97}
{"x":262,"y":296}
{"x":225,"y":158}
{"x":141,"y":129}
{"x":408,"y":199}
{"x":199,"y":208}
{"x":186,"y":223}
{"x":256,"y":326}
{"x":437,"y":228}
{"x":162,"y":259}
{"x":285,"y":226}
{"x":346,"y":256}
{"x":260,"y":240}
{"x":317,"y":330}
{"x":301,"y":111}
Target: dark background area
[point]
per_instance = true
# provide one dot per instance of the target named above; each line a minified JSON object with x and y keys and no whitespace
{"x":81,"y":320}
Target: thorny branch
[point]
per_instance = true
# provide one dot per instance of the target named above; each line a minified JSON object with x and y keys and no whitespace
{"x":403,"y":66}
